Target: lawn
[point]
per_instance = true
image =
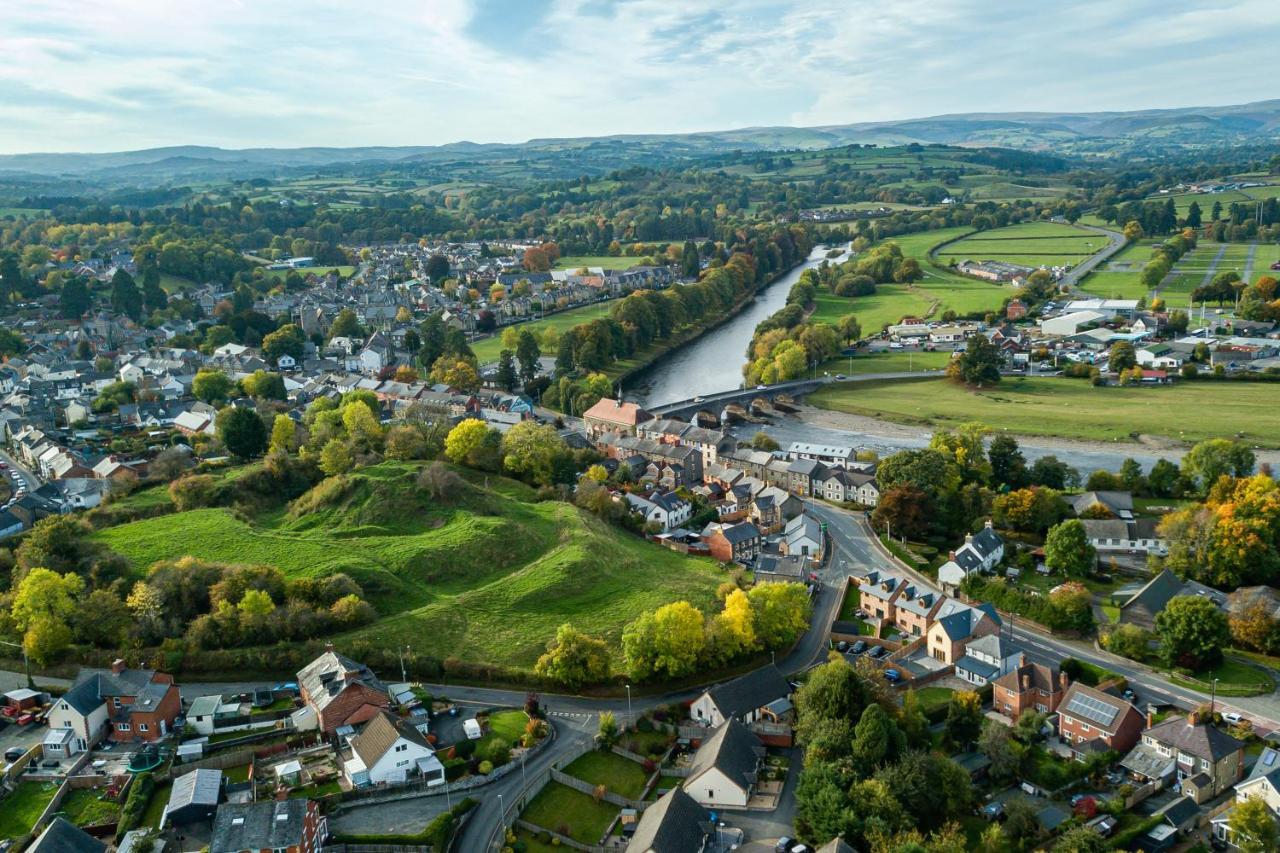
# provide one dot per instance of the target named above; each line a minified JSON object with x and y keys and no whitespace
{"x":560,"y":807}
{"x":488,"y":578}
{"x":643,"y":743}
{"x":85,"y":808}
{"x":849,"y":607}
{"x":1235,"y":678}
{"x":664,"y":784}
{"x":343,"y":270}
{"x":575,"y":262}
{"x":1070,"y":408}
{"x":889,"y":304}
{"x":155,"y":806}
{"x":933,"y":698}
{"x":1031,"y":243}
{"x":488,"y":349}
{"x":886,"y":361}
{"x":503,"y":725}
{"x":21,"y":809}
{"x":620,"y":775}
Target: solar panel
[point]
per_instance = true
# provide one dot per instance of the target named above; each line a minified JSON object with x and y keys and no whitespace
{"x":1269,"y":758}
{"x":1093,"y":709}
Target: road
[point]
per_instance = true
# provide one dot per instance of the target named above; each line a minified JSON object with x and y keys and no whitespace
{"x":1116,"y":242}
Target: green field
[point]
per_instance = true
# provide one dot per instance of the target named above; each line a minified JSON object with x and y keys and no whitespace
{"x":343,"y":270}
{"x":23,"y":807}
{"x":488,"y":578}
{"x":894,"y":361}
{"x":574,"y":262}
{"x":490,"y":348}
{"x":620,"y":775}
{"x":1072,"y":408}
{"x":1031,"y":244}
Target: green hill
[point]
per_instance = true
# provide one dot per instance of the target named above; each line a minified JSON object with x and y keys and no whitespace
{"x":484,"y":577}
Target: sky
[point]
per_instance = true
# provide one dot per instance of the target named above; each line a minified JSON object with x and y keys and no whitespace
{"x":110,"y":75}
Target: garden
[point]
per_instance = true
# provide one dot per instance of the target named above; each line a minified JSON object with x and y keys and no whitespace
{"x":20,"y":810}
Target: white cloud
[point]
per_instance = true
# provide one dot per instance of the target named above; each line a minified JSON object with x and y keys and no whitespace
{"x":113,"y":74}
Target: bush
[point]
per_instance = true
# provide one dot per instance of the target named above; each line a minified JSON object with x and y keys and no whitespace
{"x":1043,"y":609}
{"x":135,"y":805}
{"x":485,"y":768}
{"x":465,"y":748}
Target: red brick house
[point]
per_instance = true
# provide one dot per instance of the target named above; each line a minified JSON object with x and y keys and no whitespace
{"x":1091,"y":721}
{"x":132,"y":704}
{"x":1031,"y":686}
{"x":734,"y":542}
{"x":340,"y":691}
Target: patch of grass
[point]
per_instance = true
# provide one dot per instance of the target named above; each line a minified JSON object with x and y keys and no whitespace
{"x":490,"y":348}
{"x":574,"y":262}
{"x":236,"y":774}
{"x":488,"y":578}
{"x":558,"y":805}
{"x":886,"y":361}
{"x":1235,"y":678}
{"x":1047,"y":770}
{"x":1069,"y":408}
{"x":86,"y":808}
{"x":619,"y":775}
{"x":503,"y":725}
{"x":642,"y":743}
{"x":155,"y":807}
{"x":343,"y":270}
{"x":664,"y":783}
{"x":20,"y":810}
{"x":934,"y":698}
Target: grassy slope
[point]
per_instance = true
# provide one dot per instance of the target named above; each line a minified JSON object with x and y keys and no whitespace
{"x":490,"y":348}
{"x":1072,"y":408}
{"x":486,"y":579}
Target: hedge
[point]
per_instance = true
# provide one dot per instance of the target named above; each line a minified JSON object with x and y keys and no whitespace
{"x":437,"y":834}
{"x":1038,"y":608}
{"x":135,"y":805}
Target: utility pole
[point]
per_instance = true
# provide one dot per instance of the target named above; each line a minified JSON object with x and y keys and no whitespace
{"x":26,"y":663}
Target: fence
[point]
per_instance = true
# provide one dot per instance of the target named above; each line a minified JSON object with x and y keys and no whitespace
{"x":564,"y":840}
{"x":221,"y":761}
{"x":590,"y":790}
{"x":375,"y":848}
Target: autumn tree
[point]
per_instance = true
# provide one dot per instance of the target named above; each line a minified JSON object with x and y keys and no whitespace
{"x":475,"y":444}
{"x":904,"y":511}
{"x":574,"y":658}
{"x":666,"y":642}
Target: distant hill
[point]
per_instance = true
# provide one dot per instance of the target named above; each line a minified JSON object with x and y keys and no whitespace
{"x":1136,"y":132}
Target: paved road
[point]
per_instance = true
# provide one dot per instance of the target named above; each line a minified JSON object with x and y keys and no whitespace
{"x":1247,"y":275}
{"x":1115,"y":242}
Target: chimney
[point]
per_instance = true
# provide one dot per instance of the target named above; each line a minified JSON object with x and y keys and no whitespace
{"x":1192,"y":718}
{"x":968,"y":538}
{"x":1151,"y":716}
{"x":988,"y":524}
{"x":951,"y":555}
{"x":117,"y":666}
{"x":1063,"y":680}
{"x":328,"y":647}
{"x":1026,"y":681}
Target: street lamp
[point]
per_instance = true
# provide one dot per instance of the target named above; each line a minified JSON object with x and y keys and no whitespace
{"x":630,"y":721}
{"x":1213,"y":698}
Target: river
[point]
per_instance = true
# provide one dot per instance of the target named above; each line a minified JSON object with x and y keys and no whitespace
{"x":713,"y":362}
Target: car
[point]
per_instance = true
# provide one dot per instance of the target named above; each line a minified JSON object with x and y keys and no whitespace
{"x":784,"y":845}
{"x":842,"y":646}
{"x":13,"y":753}
{"x":26,"y":719}
{"x":1233,"y":718}
{"x":895,"y":345}
{"x":697,"y":399}
{"x":1129,"y":696}
{"x":859,"y":647}
{"x":761,"y":387}
{"x":892,"y":676}
{"x":993,"y":811}
{"x":861,"y":614}
{"x":839,"y":376}
{"x":877,"y":651}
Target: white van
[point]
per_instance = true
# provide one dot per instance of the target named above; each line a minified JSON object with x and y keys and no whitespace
{"x":472,"y":728}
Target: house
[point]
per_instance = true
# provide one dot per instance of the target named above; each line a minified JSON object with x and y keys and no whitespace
{"x":841,"y":485}
{"x":730,"y":543}
{"x":270,"y":826}
{"x":1091,"y":721}
{"x":133,"y":704}
{"x":1203,"y":759}
{"x":878,"y":593}
{"x":666,"y":509}
{"x":915,"y":609}
{"x":390,"y":750}
{"x":1029,"y":687}
{"x":1132,"y":536}
{"x":749,"y":698}
{"x":609,"y":415}
{"x":979,"y":553}
{"x":803,"y":475}
{"x":1263,"y":783}
{"x":341,"y":691}
{"x":1102,"y":504}
{"x":62,"y":836}
{"x":954,"y":625}
{"x":1142,"y":607}
{"x":987,"y":658}
{"x":723,"y":771}
{"x":676,"y":823}
{"x":193,"y":798}
{"x":804,"y":536}
{"x":838,"y":455}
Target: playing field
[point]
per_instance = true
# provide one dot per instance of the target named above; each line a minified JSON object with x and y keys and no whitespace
{"x":490,"y":348}
{"x":1073,"y":408}
{"x":1121,"y":276}
{"x":1032,"y":244}
{"x":622,"y":262}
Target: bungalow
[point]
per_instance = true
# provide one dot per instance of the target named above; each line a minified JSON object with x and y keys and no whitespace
{"x":1103,"y":504}
{"x":389,"y":750}
{"x":340,"y":691}
{"x":1030,"y":686}
{"x":676,"y":823}
{"x":750,"y":698}
{"x":723,"y":771}
{"x":1205,"y":760}
{"x":1090,"y":721}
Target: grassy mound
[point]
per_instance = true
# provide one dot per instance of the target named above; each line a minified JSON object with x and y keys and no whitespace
{"x":486,"y":576}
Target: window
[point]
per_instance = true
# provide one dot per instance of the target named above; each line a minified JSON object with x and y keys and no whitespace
{"x":115,"y":701}
{"x":711,"y":795}
{"x":143,"y":727}
{"x":122,"y":727}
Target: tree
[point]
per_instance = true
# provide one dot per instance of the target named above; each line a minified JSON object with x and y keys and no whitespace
{"x":475,"y":444}
{"x":833,"y":691}
{"x":929,"y":470}
{"x":1164,"y":480}
{"x":212,"y":386}
{"x":904,"y":511}
{"x":506,"y":376}
{"x":534,"y":451}
{"x":1032,"y":510}
{"x":283,"y":434}
{"x":437,"y":268}
{"x":964,"y":718}
{"x":1005,"y":753}
{"x":264,"y":386}
{"x":456,"y":373}
{"x":781,"y":612}
{"x":361,"y":425}
{"x":574,"y":658}
{"x":1050,"y":471}
{"x":734,"y":628}
{"x":1067,"y":549}
{"x":346,"y":325}
{"x":153,"y":296}
{"x":45,"y":639}
{"x":286,"y":340}
{"x":1192,"y":632}
{"x":607,"y":731}
{"x":850,"y":328}
{"x":336,"y":458}
{"x":877,"y":741}
{"x":1132,"y":230}
{"x":74,"y":298}
{"x":978,"y":365}
{"x":1255,"y":627}
{"x":43,"y":593}
{"x":1020,"y":820}
{"x":527,"y":353}
{"x":666,"y":642}
{"x":1214,"y":458}
{"x":1253,"y":828}
{"x":125,"y":297}
{"x":1008,"y":465}
{"x":241,"y":431}
{"x":1128,"y":641}
{"x":1121,"y":357}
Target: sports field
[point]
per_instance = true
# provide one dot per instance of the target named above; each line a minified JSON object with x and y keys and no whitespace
{"x":1072,"y":408}
{"x":574,"y":262}
{"x":1032,"y":244}
{"x":490,"y":348}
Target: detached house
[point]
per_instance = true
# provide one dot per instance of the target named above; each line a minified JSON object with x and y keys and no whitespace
{"x":1204,"y":759}
{"x":674,"y":824}
{"x":390,"y":750}
{"x":1263,"y":784}
{"x":955,"y":624}
{"x":730,"y":543}
{"x":340,"y":691}
{"x":987,"y":658}
{"x":1142,"y":607}
{"x":723,"y":772}
{"x":1029,"y":687}
{"x":133,"y":704}
{"x":666,"y":509}
{"x":979,"y":553}
{"x":1092,"y":721}
{"x":763,"y":695}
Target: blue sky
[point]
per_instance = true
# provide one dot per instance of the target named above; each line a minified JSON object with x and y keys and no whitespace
{"x":110,"y":75}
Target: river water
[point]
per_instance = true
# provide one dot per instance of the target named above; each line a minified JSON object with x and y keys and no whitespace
{"x":713,"y":363}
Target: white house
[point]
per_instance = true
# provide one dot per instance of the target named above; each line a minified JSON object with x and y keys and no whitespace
{"x":666,"y":508}
{"x":980,"y":553}
{"x":987,"y":658}
{"x":803,"y":537}
{"x":1263,"y":783}
{"x":723,"y":771}
{"x":83,"y":711}
{"x":747,"y":698}
{"x":1139,"y":535}
{"x":390,"y":750}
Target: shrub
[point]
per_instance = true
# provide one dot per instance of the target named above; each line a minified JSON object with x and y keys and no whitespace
{"x":643,"y":725}
{"x":649,"y":766}
{"x":135,"y":805}
{"x":464,"y":748}
{"x":485,"y":768}
{"x":194,"y":492}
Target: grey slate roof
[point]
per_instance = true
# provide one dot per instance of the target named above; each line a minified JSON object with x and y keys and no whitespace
{"x":84,"y":697}
{"x":749,"y":692}
{"x":323,"y":677}
{"x":61,"y":836}
{"x":258,"y":826}
{"x":981,"y":668}
{"x":733,"y":750}
{"x":674,"y":824}
{"x":1199,"y":740}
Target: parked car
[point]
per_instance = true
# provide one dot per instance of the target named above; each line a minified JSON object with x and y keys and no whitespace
{"x":993,"y":811}
{"x":842,"y":646}
{"x":13,"y":753}
{"x":892,"y":676}
{"x":859,"y":647}
{"x":1130,"y":696}
{"x":784,"y":844}
{"x":839,"y":376}
{"x":877,"y":651}
{"x":1232,"y":717}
